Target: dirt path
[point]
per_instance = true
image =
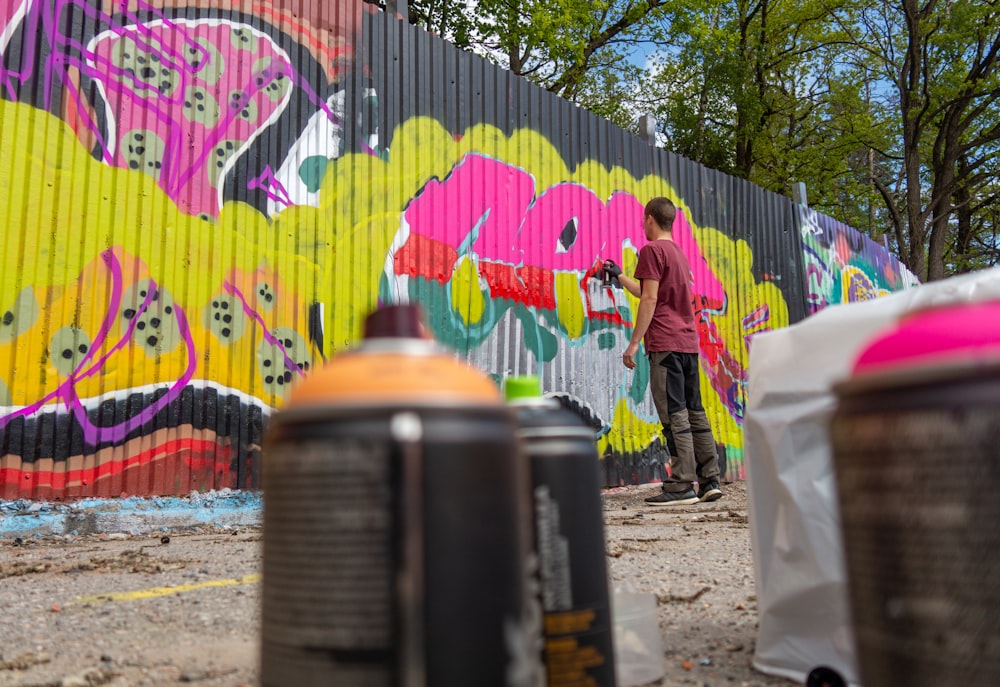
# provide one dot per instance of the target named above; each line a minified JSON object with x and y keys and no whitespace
{"x":697,"y":560}
{"x":183,"y":607}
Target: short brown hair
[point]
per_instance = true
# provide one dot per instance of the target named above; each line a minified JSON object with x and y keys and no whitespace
{"x":662,"y":211}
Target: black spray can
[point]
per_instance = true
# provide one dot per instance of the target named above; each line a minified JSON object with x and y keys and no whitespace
{"x":397,"y":526}
{"x":569,"y":537}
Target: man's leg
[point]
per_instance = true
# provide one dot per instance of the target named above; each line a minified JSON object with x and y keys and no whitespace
{"x":658,"y":389}
{"x":677,"y":488}
{"x":705,"y":452}
{"x":668,"y":397}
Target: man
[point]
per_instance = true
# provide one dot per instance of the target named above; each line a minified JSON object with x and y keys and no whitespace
{"x":665,"y":322}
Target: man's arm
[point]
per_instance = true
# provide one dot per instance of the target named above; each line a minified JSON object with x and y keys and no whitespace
{"x":647,"y":304}
{"x":631,"y":285}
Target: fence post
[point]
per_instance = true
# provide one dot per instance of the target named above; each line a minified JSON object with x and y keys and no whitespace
{"x":396,"y":7}
{"x":799,"y":193}
{"x":647,"y":128}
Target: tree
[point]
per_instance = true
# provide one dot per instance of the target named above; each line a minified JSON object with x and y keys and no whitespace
{"x":743,"y":90}
{"x":690,"y":85}
{"x":977,"y":213}
{"x":939,"y":63}
{"x":888,"y":112}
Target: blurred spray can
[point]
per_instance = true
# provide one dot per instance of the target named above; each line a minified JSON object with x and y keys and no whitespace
{"x":397,"y":531}
{"x":569,"y":537}
{"x":914,"y":438}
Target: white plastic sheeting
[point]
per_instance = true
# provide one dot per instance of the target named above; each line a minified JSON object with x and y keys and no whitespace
{"x":794,"y":519}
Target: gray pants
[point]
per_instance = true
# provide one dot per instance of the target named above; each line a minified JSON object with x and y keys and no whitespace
{"x":676,"y":386}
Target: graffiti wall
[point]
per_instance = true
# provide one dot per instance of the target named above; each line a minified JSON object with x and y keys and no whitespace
{"x":199,"y":205}
{"x":842,"y":265}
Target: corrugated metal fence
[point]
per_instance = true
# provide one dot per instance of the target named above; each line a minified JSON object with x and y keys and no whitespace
{"x":200,"y":204}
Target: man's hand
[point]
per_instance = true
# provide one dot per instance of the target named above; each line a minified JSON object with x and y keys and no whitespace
{"x":612,"y":269}
{"x":628,"y":357}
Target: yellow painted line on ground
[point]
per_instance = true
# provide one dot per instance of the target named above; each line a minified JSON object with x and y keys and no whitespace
{"x":155,"y":592}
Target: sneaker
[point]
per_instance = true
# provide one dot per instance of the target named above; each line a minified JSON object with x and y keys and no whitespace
{"x":673,"y":498}
{"x":709,"y":492}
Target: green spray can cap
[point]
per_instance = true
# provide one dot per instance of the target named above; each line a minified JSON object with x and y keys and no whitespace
{"x":522,"y":387}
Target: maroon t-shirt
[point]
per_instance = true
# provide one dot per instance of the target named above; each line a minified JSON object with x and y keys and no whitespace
{"x":673,"y":327}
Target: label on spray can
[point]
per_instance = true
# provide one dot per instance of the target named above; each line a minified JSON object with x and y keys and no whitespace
{"x":569,"y":538}
{"x":330,"y":563}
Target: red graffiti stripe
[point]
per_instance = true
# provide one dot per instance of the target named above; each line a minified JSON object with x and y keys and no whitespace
{"x":609,"y":316}
{"x":431,"y":259}
{"x":427,"y":258}
{"x":194,"y":454}
{"x":531,"y":286}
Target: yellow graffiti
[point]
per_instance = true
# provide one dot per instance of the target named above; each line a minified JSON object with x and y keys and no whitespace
{"x":731,"y":261}
{"x":856,"y":286}
{"x":569,"y":304}
{"x":423,"y":150}
{"x":349,"y":236}
{"x":467,"y":299}
{"x":629,"y":432}
{"x":65,"y":210}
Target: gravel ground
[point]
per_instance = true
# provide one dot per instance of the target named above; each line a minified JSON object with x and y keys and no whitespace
{"x":697,"y":561}
{"x":183,"y":606}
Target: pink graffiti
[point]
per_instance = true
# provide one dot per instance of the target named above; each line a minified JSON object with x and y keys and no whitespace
{"x":241,"y":71}
{"x":11,"y":14}
{"x":186,"y":96}
{"x":271,"y":187}
{"x":490,"y":208}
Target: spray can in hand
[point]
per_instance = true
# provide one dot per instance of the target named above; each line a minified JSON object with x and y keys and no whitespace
{"x":569,"y":537}
{"x":610,"y":271}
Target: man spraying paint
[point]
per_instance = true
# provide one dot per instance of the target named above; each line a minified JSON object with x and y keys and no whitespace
{"x":665,"y":323}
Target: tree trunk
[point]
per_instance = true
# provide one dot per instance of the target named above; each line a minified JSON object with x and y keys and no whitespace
{"x":962,"y":202}
{"x":911,"y":103}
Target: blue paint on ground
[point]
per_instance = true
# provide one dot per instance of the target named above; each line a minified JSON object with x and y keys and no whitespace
{"x":133,"y":515}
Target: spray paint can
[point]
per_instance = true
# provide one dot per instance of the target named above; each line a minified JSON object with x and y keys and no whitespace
{"x":569,"y":537}
{"x":914,"y":438}
{"x":397,"y":532}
